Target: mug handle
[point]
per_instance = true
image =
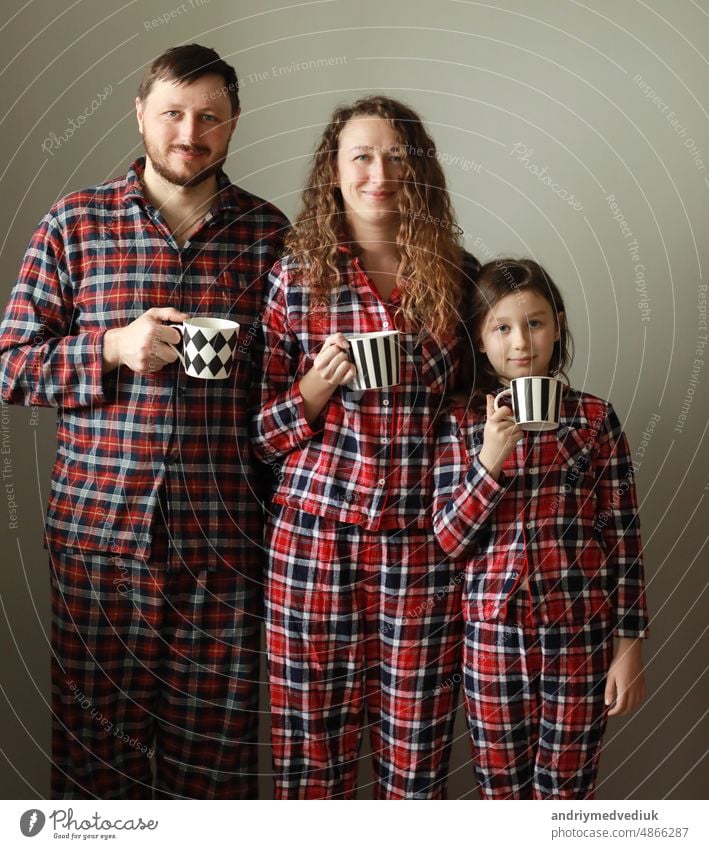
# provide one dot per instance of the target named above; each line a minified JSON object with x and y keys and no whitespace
{"x":499,"y":395}
{"x":181,"y":328}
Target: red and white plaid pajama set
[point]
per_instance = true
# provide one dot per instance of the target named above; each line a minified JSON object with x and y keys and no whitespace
{"x":362,"y":607}
{"x":154,"y":526}
{"x":553,"y":571}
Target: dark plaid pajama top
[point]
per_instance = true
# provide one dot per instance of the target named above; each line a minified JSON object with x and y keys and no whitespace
{"x":98,"y":260}
{"x":563,"y":514}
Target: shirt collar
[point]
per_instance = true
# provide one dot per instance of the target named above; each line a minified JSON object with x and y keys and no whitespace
{"x":227,"y":195}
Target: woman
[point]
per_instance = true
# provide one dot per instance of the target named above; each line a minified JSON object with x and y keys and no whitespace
{"x":361,"y":603}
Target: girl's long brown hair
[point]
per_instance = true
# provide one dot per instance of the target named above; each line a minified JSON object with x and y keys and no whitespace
{"x":496,"y":280}
{"x":428,"y":238}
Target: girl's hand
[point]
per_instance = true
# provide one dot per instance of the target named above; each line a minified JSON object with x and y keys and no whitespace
{"x":333,"y":365}
{"x":500,"y":437}
{"x":626,"y":679}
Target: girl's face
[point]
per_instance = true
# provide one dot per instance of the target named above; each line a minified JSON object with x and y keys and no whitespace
{"x":518,"y":335}
{"x":369,"y":171}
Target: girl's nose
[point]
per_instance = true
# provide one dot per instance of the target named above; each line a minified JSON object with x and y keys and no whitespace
{"x":521,"y":340}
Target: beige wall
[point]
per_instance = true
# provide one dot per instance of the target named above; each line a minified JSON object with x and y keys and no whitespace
{"x":508,"y":90}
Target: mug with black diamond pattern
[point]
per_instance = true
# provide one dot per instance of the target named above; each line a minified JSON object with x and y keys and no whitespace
{"x":208,"y":347}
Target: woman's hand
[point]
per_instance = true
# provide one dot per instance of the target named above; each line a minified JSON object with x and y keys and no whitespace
{"x":626,"y":680}
{"x":500,"y":437}
{"x":332,"y":367}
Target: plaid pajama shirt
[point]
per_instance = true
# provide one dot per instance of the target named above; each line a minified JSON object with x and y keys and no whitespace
{"x":553,"y":571}
{"x":361,"y":606}
{"x":134,"y":447}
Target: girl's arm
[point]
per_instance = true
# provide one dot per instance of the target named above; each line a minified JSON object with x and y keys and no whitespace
{"x":618,"y":525}
{"x":465,"y":492}
{"x":625,"y":685}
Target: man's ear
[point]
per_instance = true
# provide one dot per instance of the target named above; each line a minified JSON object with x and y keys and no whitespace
{"x":139,"y":114}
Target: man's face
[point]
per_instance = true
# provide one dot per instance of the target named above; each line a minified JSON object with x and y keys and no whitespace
{"x":186,"y":129}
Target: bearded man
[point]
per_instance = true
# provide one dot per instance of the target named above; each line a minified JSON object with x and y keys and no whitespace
{"x":154,"y":522}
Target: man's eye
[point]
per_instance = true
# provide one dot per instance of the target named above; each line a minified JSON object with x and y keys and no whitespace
{"x":171,"y":113}
{"x":210,"y":118}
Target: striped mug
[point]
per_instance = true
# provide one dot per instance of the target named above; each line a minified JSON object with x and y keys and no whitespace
{"x":536,"y":402}
{"x":376,"y":356}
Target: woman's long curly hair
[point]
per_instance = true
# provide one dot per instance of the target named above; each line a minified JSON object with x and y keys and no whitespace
{"x":428,"y":238}
{"x":496,"y":280}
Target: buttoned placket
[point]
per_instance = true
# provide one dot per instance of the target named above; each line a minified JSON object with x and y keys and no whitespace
{"x":389,"y":397}
{"x":524,"y":576}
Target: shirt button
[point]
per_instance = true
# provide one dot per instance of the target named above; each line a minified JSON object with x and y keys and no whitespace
{"x":382,"y":481}
{"x":514,"y":574}
{"x":529,"y":526}
{"x":385,"y":325}
{"x":385,"y":402}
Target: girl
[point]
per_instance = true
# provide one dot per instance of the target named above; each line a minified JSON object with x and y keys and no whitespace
{"x":360,"y":602}
{"x":546,"y":524}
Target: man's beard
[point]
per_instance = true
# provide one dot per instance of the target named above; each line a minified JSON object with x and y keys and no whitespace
{"x":162,"y":169}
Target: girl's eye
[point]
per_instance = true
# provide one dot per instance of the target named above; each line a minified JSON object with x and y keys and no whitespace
{"x":362,"y":157}
{"x":502,"y":328}
{"x":396,"y":158}
{"x":535,"y":322}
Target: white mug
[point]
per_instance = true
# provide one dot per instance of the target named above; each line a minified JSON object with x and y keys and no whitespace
{"x":377,"y":357}
{"x":536,"y":402}
{"x":208,"y":347}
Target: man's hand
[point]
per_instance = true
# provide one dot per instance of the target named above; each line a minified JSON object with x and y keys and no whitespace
{"x":142,"y":345}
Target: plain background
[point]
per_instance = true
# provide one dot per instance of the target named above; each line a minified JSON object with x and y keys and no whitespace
{"x":545,"y":115}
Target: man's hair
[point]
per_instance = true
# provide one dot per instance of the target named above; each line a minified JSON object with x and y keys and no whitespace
{"x":188,"y":63}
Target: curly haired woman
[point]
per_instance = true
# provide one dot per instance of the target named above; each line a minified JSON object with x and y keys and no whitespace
{"x":363,"y":608}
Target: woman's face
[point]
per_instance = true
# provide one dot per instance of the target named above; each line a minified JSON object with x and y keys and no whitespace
{"x":369,"y":171}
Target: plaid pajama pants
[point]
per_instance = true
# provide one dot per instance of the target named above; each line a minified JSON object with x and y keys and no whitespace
{"x":154,"y":681}
{"x":534,"y":702}
{"x":359,"y":623}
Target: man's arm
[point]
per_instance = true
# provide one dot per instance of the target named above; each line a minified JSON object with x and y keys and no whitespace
{"x":44,"y":361}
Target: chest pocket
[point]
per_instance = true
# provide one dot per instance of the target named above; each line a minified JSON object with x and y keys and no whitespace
{"x":575,"y":448}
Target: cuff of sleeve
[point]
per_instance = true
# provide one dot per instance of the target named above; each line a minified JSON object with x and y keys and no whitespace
{"x":100,"y":387}
{"x":481,"y":483}
{"x":632,"y":633}
{"x":301,"y":430}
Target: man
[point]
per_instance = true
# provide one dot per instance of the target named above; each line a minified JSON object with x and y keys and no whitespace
{"x":153,"y":524}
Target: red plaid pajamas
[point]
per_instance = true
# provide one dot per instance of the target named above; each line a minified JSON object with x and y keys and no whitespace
{"x":553,"y":571}
{"x":357,"y":615}
{"x":534,"y":702}
{"x":153,"y":667}
{"x":359,"y":622}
